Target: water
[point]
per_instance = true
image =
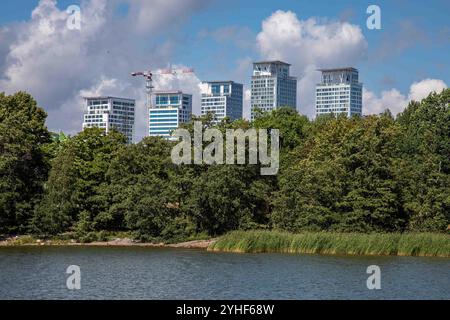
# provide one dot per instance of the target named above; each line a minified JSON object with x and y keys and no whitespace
{"x":149,"y":273}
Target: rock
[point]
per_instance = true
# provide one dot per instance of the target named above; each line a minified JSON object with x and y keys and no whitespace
{"x":195,"y":244}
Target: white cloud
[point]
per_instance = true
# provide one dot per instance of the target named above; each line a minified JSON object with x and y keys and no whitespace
{"x":422,"y":89}
{"x":311,"y":44}
{"x":70,"y":112}
{"x":391,"y":99}
{"x":187,"y":82}
{"x":308,"y":45}
{"x":57,"y":65}
{"x":395,"y":101}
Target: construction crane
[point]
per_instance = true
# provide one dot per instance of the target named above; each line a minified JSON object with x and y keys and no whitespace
{"x":148,"y":75}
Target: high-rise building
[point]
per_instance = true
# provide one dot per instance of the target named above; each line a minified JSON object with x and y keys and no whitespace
{"x":109,"y":113}
{"x":223,"y":99}
{"x":272,"y":86}
{"x":339,"y":92}
{"x":171,"y":108}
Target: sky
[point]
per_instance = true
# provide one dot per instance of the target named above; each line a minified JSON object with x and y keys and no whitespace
{"x":404,"y":60}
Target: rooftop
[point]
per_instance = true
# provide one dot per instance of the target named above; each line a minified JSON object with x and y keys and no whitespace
{"x":272,"y":61}
{"x":218,"y":81}
{"x":106,"y":97}
{"x":338,"y":69}
{"x":169,"y":92}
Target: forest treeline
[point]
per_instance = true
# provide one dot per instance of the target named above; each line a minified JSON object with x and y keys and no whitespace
{"x":362,"y":174}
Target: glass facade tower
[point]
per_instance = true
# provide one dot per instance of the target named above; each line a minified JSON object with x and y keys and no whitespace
{"x":272,"y":86}
{"x":223,"y":99}
{"x":108,"y":113}
{"x":171,"y":108}
{"x":339,"y":92}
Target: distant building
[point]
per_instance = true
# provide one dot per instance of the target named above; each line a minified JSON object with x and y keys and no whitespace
{"x":108,"y":113}
{"x":339,"y":92}
{"x":272,"y":86}
{"x":223,"y":98}
{"x":171,"y":108}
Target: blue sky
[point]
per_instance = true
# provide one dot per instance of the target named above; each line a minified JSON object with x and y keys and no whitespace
{"x":427,"y":58}
{"x":219,"y":38}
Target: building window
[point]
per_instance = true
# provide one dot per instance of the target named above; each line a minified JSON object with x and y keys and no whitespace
{"x":215,"y":89}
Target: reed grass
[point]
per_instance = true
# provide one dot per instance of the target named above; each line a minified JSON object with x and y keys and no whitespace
{"x":405,"y":244}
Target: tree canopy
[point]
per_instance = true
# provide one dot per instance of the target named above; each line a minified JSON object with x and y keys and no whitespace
{"x":362,"y":174}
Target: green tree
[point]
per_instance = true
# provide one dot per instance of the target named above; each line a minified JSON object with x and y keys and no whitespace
{"x":424,"y":169}
{"x":228,"y":197}
{"x":76,"y":179}
{"x":342,"y":178}
{"x":143,"y":190}
{"x":23,"y":163}
{"x":293,"y":126}
{"x":372,"y":202}
{"x":314,"y":179}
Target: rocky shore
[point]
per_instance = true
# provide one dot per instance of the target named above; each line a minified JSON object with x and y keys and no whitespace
{"x":118,"y":242}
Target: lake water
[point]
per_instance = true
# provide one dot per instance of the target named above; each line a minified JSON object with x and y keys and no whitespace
{"x":149,"y":273}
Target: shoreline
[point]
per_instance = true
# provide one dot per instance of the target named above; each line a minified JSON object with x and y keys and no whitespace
{"x":125,"y":242}
{"x":320,"y":243}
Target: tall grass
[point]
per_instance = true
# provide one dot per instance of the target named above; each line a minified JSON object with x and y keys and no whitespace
{"x":406,"y":244}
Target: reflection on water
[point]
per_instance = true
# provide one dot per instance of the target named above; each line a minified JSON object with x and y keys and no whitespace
{"x":149,"y":273}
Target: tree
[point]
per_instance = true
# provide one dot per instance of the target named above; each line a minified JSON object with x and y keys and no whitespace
{"x":293,"y":126}
{"x":75,"y":182}
{"x":342,"y":178}
{"x":424,"y":169}
{"x":143,"y":189}
{"x":23,"y":163}
{"x":359,"y":174}
{"x":372,"y":202}
{"x":229,"y":197}
{"x":313,"y":180}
